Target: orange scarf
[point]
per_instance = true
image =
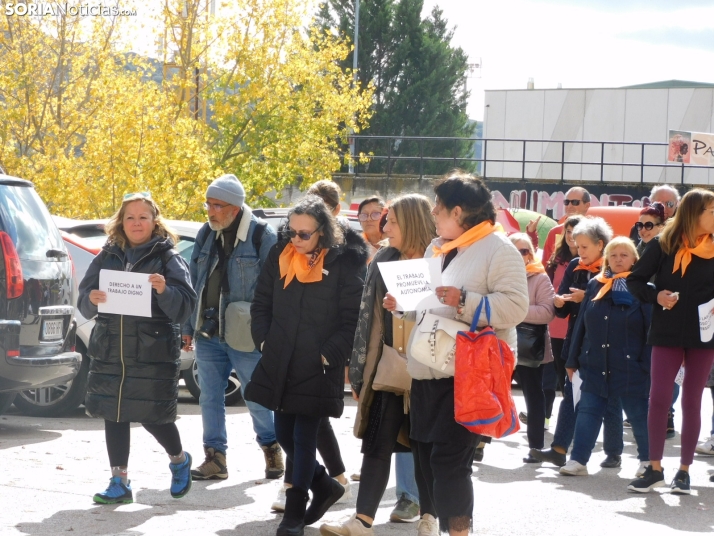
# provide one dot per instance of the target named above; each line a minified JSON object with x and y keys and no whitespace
{"x":476,"y":233}
{"x":535,"y":267}
{"x":704,"y":250}
{"x":608,"y":283}
{"x":294,"y":264}
{"x":592,"y":268}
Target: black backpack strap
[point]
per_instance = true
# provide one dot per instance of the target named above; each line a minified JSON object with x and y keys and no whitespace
{"x":258,"y":234}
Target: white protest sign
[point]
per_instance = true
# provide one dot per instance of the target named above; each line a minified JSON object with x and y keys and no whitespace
{"x":706,"y":326}
{"x":128,"y":293}
{"x":577,"y":388}
{"x":412,"y":281}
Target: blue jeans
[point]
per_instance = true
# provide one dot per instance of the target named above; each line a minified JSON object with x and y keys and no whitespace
{"x":591,"y":410}
{"x":215,"y":359}
{"x":564,"y":430}
{"x":406,"y":483}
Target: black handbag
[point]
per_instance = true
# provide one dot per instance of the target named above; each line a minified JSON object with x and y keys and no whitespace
{"x":531,"y":341}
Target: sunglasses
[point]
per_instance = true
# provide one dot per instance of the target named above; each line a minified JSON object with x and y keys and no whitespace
{"x":524,"y":251}
{"x":374,"y":216}
{"x":143,"y":195}
{"x":292,"y":233}
{"x":214,"y":206}
{"x":574,"y":202}
{"x":647,"y":225}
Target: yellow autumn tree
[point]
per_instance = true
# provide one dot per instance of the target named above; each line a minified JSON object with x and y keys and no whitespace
{"x":280,"y":107}
{"x":87,"y":122}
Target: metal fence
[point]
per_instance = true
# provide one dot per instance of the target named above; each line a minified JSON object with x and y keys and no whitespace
{"x":390,"y":157}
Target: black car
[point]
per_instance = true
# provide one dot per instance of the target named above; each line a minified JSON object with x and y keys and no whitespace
{"x":37,"y":326}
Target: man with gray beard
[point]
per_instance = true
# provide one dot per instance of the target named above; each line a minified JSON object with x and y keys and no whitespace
{"x":227,"y":257}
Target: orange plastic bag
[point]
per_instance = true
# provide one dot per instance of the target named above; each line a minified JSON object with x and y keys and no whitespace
{"x":482,"y":383}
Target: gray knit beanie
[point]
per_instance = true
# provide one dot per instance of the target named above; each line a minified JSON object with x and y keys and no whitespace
{"x":228,"y":189}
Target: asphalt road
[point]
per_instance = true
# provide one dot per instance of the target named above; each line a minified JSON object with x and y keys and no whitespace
{"x":52,"y":467}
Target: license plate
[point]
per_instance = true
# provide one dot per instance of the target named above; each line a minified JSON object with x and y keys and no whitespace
{"x":52,"y":329}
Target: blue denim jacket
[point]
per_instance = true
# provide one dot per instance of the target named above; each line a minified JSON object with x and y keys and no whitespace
{"x":243,"y":266}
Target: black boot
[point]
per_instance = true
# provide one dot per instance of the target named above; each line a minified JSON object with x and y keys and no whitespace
{"x":326,"y":491}
{"x":293,"y":523}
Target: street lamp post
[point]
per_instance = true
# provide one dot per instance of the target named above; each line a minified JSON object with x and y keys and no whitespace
{"x":354,"y":78}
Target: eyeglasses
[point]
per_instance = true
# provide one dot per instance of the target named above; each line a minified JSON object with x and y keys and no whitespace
{"x":647,"y":225}
{"x":574,"y":202}
{"x":374,"y":216}
{"x":669,"y":204}
{"x":214,"y":206}
{"x":143,"y":195}
{"x":292,"y":233}
{"x":524,"y":251}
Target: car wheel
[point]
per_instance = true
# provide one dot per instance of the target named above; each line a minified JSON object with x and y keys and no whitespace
{"x":59,"y":399}
{"x":6,"y":401}
{"x":233,"y":394}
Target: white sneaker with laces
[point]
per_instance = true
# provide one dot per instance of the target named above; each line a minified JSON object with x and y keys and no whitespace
{"x":351,"y":527}
{"x":428,"y":526}
{"x":641,"y":469}
{"x":279,"y":504}
{"x":573,"y":468}
{"x":706,"y":448}
{"x":348,"y":493}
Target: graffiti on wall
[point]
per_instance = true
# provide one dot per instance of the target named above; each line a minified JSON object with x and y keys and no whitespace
{"x":551,"y":203}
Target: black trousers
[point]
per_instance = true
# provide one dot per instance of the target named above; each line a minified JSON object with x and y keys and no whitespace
{"x":443,"y":476}
{"x":531,"y":380}
{"x":558,"y":362}
{"x":329,"y":450}
{"x":297,"y":435}
{"x":377,"y":460}
{"x":118,"y":438}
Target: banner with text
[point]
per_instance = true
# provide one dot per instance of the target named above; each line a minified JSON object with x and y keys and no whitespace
{"x":694,"y":148}
{"x":412,"y":282}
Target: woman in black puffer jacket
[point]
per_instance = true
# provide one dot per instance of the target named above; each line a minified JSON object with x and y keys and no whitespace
{"x":304,"y":316}
{"x":134,"y":367}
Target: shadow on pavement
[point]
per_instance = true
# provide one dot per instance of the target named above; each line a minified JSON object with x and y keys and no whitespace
{"x":105,"y":519}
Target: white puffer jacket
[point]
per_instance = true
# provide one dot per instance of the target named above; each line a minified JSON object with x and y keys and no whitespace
{"x":491,"y":267}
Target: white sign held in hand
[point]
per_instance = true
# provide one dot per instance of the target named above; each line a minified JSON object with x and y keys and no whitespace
{"x":706,"y":326}
{"x":412,"y":281}
{"x":128,"y":293}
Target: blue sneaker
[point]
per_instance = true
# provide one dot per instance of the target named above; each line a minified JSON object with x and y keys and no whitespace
{"x":116,"y":493}
{"x":181,"y":479}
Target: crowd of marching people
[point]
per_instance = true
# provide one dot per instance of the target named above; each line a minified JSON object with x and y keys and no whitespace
{"x":611,"y":322}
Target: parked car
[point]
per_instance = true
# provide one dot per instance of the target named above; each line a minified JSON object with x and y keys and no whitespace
{"x":37,"y":292}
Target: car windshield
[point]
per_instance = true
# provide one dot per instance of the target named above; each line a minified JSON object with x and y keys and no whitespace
{"x":25,"y":218}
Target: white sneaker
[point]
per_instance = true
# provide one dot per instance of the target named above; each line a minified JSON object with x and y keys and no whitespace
{"x":351,"y":527}
{"x":279,"y":504}
{"x":347,"y":495}
{"x":573,"y":468}
{"x":428,"y":526}
{"x":641,"y":469}
{"x":706,"y":448}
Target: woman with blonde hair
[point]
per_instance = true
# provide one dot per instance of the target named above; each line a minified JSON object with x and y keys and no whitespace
{"x":382,"y":416}
{"x":134,"y":360}
{"x":609,"y":350}
{"x":533,"y":341}
{"x":681,"y":260}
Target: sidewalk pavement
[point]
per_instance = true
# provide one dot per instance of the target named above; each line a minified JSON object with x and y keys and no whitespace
{"x":52,"y":467}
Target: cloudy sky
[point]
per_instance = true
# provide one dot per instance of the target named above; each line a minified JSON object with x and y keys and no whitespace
{"x":581,"y":43}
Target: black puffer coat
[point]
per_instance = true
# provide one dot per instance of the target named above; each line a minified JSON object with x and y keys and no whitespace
{"x":134,"y":367}
{"x":301,"y":323}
